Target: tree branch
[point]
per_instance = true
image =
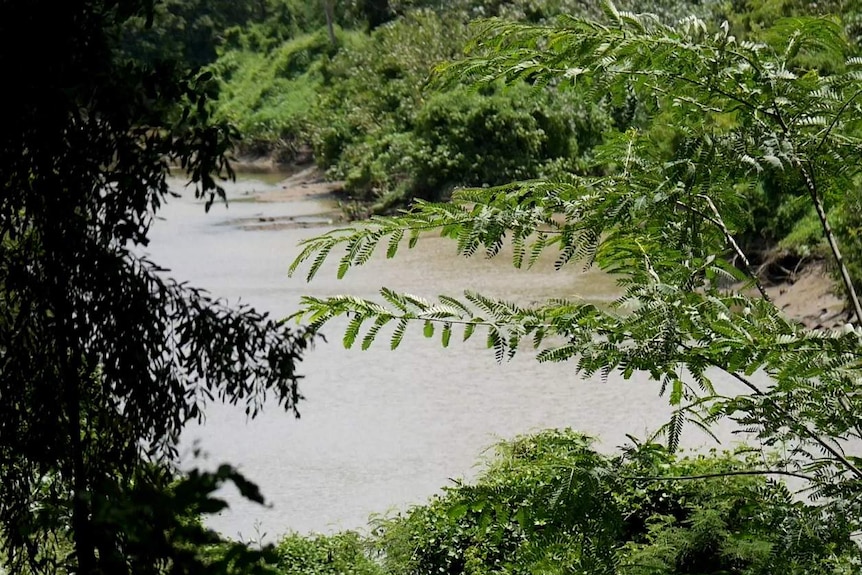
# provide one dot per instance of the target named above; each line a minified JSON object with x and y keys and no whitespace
{"x":719,"y":474}
{"x":836,"y":118}
{"x":718,"y":222}
{"x":833,"y":242}
{"x":808,"y":432}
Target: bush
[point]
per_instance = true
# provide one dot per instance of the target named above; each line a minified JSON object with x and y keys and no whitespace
{"x":268,"y":95}
{"x":375,"y":84}
{"x":340,"y":554}
{"x":376,"y":128}
{"x":473,"y":139}
{"x":549,"y":503}
{"x":466,"y":138}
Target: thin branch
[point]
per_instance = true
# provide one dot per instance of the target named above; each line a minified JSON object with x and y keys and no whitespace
{"x":745,"y":103}
{"x":718,"y":222}
{"x":833,"y":242}
{"x":836,"y":118}
{"x":811,"y":434}
{"x":810,"y":185}
{"x":719,"y":474}
{"x":844,"y":402}
{"x":808,"y":432}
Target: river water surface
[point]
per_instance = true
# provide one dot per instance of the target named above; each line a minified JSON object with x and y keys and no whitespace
{"x":380,"y":430}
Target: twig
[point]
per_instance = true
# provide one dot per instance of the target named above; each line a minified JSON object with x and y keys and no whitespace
{"x":838,"y":115}
{"x":719,"y":474}
{"x":833,"y":242}
{"x":719,"y":223}
{"x":813,"y":436}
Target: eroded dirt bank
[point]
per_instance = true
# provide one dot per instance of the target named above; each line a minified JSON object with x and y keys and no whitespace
{"x":806,"y":293}
{"x":811,"y":296}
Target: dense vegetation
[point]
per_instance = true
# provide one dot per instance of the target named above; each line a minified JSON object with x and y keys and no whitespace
{"x":104,"y":359}
{"x":366,"y":110}
{"x":665,"y":150}
{"x":549,"y":503}
{"x":729,"y":135}
{"x":365,"y":107}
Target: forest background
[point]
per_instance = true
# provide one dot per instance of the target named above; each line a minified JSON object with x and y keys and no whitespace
{"x":346,"y":85}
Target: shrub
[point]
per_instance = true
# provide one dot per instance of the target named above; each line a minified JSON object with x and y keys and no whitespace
{"x":268,"y":95}
{"x":375,"y":127}
{"x":549,"y":503}
{"x":340,"y":554}
{"x":375,"y":84}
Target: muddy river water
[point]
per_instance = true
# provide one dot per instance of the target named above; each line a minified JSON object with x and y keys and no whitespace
{"x":380,"y":430}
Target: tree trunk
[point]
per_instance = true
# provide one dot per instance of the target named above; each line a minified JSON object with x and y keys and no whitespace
{"x":329,"y":10}
{"x":377,"y":12}
{"x":833,"y":245}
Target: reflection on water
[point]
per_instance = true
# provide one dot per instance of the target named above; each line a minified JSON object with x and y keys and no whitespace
{"x":381,"y":429}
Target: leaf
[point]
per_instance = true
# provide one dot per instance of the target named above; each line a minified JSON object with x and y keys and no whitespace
{"x":468,"y":330}
{"x":372,"y":333}
{"x":352,"y":331}
{"x":610,"y":11}
{"x":495,"y":341}
{"x":316,"y":265}
{"x":458,"y":511}
{"x":674,"y":431}
{"x":398,"y":334}
{"x":394,"y":240}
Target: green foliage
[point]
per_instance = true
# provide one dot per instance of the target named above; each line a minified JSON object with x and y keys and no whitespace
{"x":744,"y":119}
{"x":373,"y":123}
{"x":467,"y":138}
{"x":388,"y":138}
{"x":544,"y":11}
{"x":343,"y":553}
{"x":716,"y":513}
{"x":268,"y":94}
{"x":549,"y":503}
{"x":847,"y":217}
{"x":185,"y":30}
{"x":754,"y":17}
{"x":270,"y":71}
{"x":104,"y":358}
{"x":488,"y":139}
{"x":161,"y":513}
{"x":375,"y":85}
{"x":541,"y":506}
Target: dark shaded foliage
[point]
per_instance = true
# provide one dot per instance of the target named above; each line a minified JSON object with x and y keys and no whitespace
{"x":102,"y":358}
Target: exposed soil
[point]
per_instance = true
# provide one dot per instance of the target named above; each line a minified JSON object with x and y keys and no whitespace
{"x":308,"y":182}
{"x":803,"y":289}
{"x":811,"y":296}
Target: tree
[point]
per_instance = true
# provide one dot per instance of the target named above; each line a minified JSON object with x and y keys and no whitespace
{"x":103,"y":358}
{"x":329,"y":11}
{"x":662,"y":217}
{"x":186,"y":30}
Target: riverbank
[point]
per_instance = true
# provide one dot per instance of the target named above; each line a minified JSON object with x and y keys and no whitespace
{"x":810,"y":296}
{"x":305,"y":183}
{"x":806,"y":293}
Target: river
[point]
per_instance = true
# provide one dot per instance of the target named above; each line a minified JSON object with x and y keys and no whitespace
{"x":380,"y":430}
